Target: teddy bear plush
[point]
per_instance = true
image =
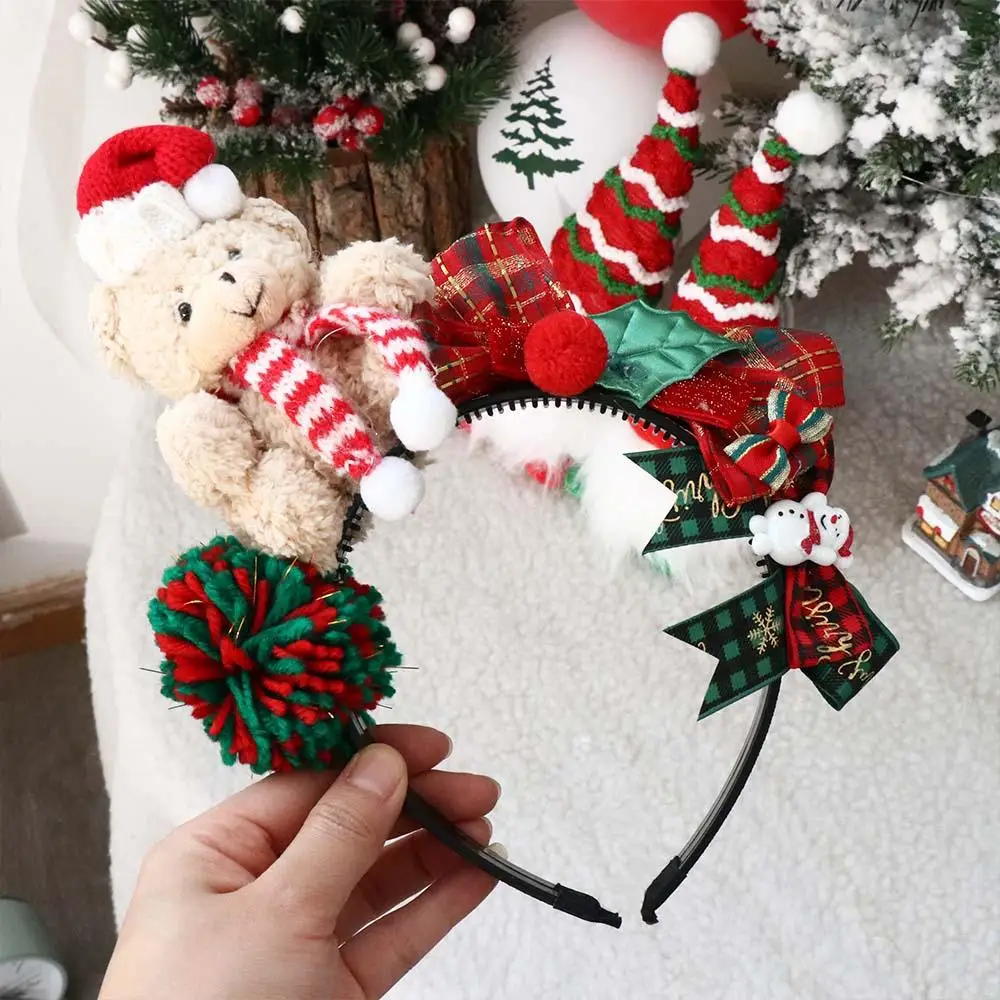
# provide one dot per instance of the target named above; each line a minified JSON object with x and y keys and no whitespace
{"x":792,"y":532}
{"x":289,"y":381}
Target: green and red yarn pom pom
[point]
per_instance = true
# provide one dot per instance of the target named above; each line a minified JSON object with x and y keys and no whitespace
{"x":272,"y":655}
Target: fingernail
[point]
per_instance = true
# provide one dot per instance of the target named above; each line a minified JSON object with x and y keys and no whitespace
{"x":377,"y":770}
{"x":451,"y":746}
{"x":499,"y":850}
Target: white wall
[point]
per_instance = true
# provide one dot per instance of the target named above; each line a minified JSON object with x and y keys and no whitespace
{"x":60,"y":414}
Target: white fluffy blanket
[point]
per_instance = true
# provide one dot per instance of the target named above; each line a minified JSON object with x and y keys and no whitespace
{"x":863,"y":861}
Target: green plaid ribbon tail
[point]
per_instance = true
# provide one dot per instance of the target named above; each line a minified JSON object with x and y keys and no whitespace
{"x":699,"y":515}
{"x":838,"y":683}
{"x":747,"y":636}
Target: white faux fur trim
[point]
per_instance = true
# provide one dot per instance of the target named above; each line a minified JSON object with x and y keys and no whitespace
{"x":722,"y":233}
{"x":118,"y":237}
{"x":636,"y":175}
{"x":687,"y":289}
{"x":627,"y":258}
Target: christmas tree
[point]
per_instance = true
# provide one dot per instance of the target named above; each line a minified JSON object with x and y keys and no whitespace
{"x":916,"y":186}
{"x":537,"y":117}
{"x":277,"y":84}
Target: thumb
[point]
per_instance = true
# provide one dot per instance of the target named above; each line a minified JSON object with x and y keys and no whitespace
{"x":343,"y":835}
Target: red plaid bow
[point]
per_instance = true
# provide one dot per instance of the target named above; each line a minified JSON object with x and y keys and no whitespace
{"x":492,"y":286}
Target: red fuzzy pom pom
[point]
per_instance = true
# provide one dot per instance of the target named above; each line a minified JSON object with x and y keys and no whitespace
{"x":369,"y":121}
{"x":246,"y":115}
{"x":565,"y":353}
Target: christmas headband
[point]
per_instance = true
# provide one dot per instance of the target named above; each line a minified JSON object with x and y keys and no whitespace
{"x":282,"y":663}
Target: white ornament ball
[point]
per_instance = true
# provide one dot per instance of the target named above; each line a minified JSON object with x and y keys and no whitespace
{"x":461,"y":21}
{"x":83,"y":28}
{"x":120,"y":65}
{"x":434,"y":77}
{"x":423,"y":50}
{"x":292,"y":20}
{"x":136,"y":35}
{"x":407,"y":33}
{"x":117,"y":81}
{"x":605,"y":114}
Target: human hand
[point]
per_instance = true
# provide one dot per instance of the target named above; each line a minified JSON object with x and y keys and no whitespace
{"x":282,"y":892}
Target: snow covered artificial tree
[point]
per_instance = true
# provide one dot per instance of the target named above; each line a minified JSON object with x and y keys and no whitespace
{"x":352,"y":112}
{"x":916,"y":186}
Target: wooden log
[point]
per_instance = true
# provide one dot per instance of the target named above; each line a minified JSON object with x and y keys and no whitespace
{"x":343,"y":203}
{"x":426,"y":201}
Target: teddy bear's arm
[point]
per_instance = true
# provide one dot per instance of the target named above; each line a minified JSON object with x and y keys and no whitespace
{"x":210,"y":447}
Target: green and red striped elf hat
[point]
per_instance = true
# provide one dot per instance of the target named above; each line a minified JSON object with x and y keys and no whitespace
{"x":734,"y":278}
{"x":620,"y":246}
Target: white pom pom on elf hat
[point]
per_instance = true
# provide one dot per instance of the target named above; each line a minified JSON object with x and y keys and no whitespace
{"x":809,"y":123}
{"x":691,"y":43}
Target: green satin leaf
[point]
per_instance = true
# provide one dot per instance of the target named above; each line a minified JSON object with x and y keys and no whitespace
{"x":650,"y":349}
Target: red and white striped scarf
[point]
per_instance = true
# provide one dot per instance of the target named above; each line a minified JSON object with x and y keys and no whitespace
{"x":274,"y":368}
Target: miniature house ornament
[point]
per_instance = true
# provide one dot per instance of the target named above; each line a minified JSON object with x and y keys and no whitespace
{"x":956,"y":525}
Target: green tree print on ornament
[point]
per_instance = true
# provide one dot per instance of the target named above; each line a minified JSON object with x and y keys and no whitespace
{"x":536,"y":117}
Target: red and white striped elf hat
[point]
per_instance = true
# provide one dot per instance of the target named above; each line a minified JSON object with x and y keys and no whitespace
{"x":734,"y":278}
{"x":145,"y":188}
{"x":621,"y":245}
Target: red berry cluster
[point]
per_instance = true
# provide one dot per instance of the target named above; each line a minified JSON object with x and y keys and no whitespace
{"x":348,"y":122}
{"x":245,"y":96}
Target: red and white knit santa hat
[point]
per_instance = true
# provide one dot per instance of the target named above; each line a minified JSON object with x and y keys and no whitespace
{"x":145,"y":188}
{"x":734,"y":278}
{"x":621,"y":245}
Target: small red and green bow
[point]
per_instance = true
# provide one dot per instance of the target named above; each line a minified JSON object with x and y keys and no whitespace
{"x":792,"y":421}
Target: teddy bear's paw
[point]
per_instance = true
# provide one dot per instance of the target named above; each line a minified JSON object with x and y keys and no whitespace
{"x":421,"y":414}
{"x":393,"y":489}
{"x":383,"y":273}
{"x":290,"y":509}
{"x":209,"y":446}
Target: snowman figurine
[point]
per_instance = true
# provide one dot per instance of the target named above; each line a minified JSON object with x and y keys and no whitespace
{"x":808,"y":530}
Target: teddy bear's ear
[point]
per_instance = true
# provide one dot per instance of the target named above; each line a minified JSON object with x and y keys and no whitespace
{"x":270,"y":213}
{"x":104,"y":322}
{"x":383,"y":273}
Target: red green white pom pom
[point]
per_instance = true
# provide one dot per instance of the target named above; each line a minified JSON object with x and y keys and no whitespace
{"x":270,"y":654}
{"x":565,"y":353}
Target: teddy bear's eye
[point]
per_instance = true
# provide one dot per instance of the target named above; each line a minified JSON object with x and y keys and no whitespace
{"x":234,"y":252}
{"x":184,"y":312}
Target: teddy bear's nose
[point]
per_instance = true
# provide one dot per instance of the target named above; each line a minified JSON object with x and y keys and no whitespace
{"x":227,"y":277}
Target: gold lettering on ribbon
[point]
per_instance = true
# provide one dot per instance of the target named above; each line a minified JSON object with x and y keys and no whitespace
{"x":697,"y":490}
{"x":835,"y":639}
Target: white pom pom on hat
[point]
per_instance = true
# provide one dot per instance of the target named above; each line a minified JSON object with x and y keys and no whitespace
{"x":214,"y":193}
{"x":691,"y":43}
{"x":810,"y":124}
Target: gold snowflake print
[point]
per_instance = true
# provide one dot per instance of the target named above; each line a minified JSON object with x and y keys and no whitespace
{"x":765,"y":635}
